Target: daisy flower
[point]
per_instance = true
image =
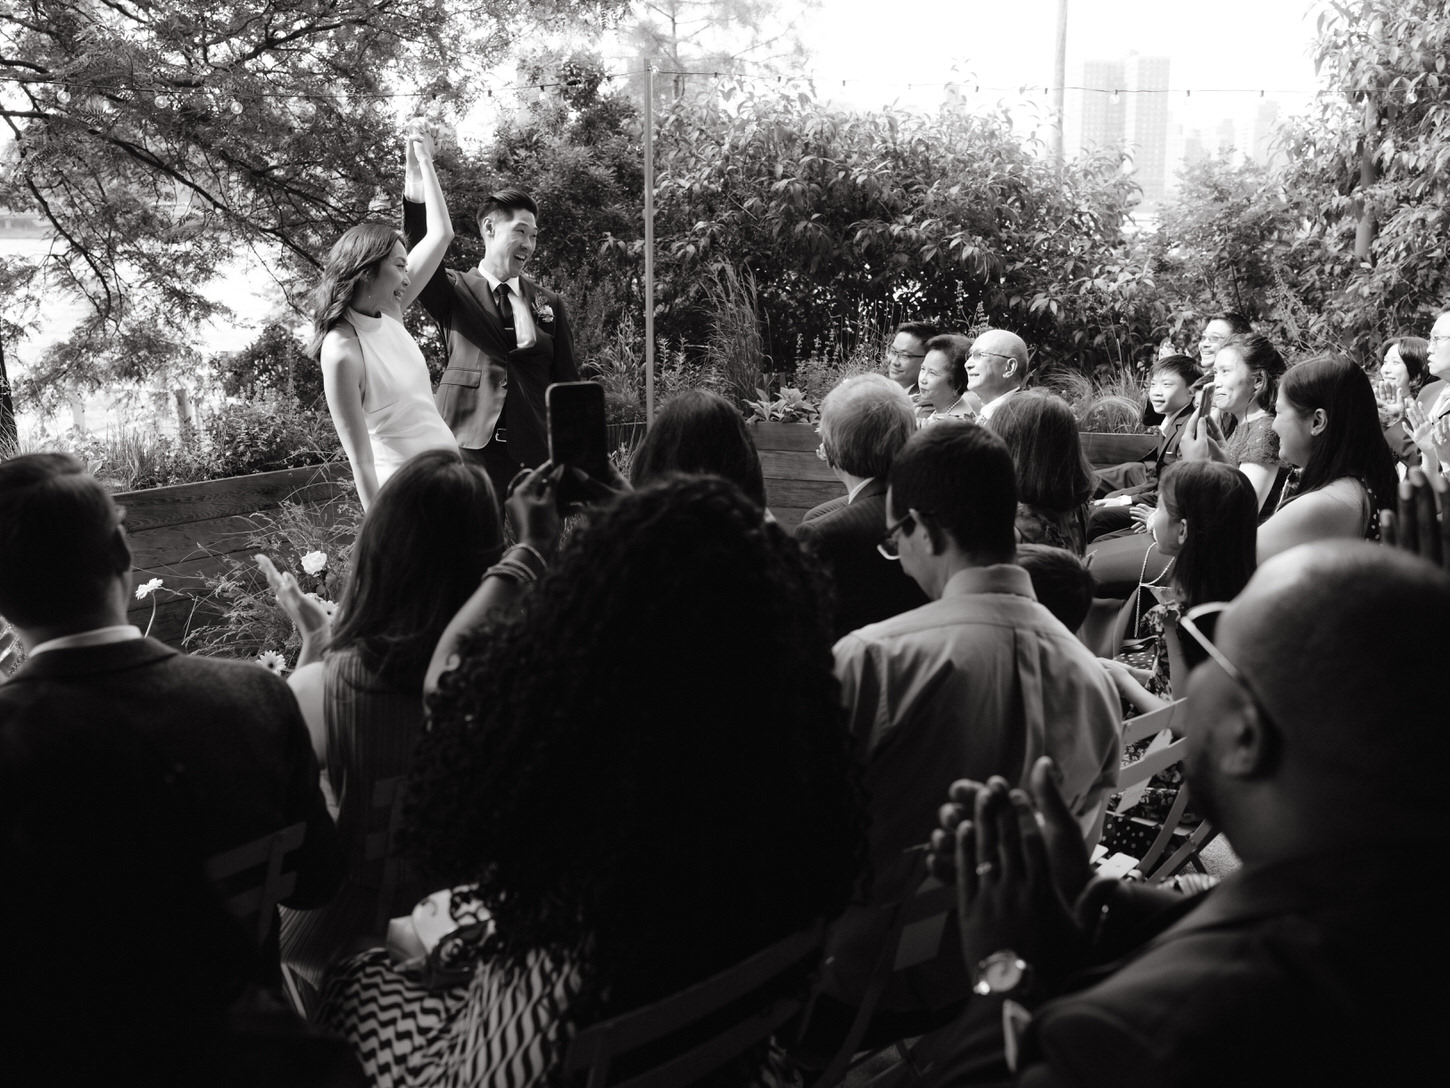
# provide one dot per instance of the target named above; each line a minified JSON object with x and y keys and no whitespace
{"x":271,"y":659}
{"x":146,"y":589}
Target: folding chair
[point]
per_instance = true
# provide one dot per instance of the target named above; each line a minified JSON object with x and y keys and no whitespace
{"x":254,"y":902}
{"x":1133,"y":781}
{"x":596,"y":1048}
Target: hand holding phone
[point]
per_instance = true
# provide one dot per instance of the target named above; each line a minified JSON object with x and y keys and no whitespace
{"x":578,"y":440}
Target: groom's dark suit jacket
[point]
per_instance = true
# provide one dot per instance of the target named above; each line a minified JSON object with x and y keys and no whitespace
{"x":478,"y":355}
{"x":238,"y":761}
{"x":869,"y":587}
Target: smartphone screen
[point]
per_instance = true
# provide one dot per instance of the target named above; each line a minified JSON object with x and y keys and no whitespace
{"x":577,"y":434}
{"x":1205,"y":401}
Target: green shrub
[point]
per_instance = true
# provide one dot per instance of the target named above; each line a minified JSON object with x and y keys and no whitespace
{"x":263,"y":436}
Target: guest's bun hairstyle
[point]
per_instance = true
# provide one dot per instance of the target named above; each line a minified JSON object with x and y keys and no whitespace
{"x":961,"y":479}
{"x":1041,"y":434}
{"x":1265,"y":365}
{"x":699,"y":433}
{"x":509,"y":202}
{"x":664,"y":711}
{"x":865,"y":420}
{"x":956,"y":348}
{"x":1352,"y":442}
{"x":428,"y":537}
{"x":1219,"y":553}
{"x":61,"y":541}
{"x":353,"y":259}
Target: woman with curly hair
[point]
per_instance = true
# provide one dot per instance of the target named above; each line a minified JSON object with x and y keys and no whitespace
{"x":375,"y":379}
{"x":643,"y":777}
{"x":1054,"y":478}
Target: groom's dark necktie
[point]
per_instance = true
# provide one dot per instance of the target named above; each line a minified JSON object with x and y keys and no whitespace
{"x":506,"y":311}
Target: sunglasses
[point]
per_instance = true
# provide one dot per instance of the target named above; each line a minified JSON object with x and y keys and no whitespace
{"x":1199,"y":623}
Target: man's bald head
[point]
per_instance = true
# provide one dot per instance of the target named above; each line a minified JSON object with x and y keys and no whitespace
{"x":996,"y":364}
{"x":1346,"y":643}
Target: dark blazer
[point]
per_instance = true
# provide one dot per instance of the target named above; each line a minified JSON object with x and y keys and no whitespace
{"x":479,"y":356}
{"x":869,"y":587}
{"x":239,"y":758}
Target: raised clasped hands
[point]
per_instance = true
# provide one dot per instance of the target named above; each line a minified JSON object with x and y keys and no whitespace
{"x":1413,"y":524}
{"x":1018,"y":867}
{"x":1429,"y":434}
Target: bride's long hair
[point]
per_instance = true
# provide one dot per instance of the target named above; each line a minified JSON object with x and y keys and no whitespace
{"x":354,"y":257}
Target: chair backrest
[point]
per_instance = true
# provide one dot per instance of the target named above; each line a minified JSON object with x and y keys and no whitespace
{"x":388,"y":793}
{"x":596,"y":1048}
{"x":254,"y":902}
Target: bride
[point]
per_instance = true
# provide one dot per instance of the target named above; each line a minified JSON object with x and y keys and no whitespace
{"x":373,"y":374}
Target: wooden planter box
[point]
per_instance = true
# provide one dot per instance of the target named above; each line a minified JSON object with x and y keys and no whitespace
{"x":797,"y":480}
{"x":182,"y":534}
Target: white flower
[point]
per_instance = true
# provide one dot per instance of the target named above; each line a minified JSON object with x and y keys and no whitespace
{"x":146,"y":589}
{"x":329,"y":607}
{"x":314,"y":562}
{"x":271,"y":659}
{"x":543,"y":312}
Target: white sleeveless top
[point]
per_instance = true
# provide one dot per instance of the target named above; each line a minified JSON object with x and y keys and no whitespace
{"x":397,"y":398}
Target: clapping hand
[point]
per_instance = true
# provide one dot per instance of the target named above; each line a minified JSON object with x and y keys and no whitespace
{"x":1016,"y":877}
{"x":1413,"y":524}
{"x":1427,"y":433}
{"x":307,"y":614}
{"x":1142,"y":515}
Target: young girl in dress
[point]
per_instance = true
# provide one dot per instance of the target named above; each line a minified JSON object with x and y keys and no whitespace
{"x":373,"y":374}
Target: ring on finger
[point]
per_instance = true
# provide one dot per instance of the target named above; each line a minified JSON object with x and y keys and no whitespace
{"x":985,"y":867}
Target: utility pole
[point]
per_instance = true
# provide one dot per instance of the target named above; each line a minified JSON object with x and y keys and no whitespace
{"x":1059,"y":81}
{"x":649,"y":243}
{"x":9,"y":435}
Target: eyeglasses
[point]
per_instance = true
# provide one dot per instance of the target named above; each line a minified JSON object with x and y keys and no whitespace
{"x":895,"y":354}
{"x":887,"y":547}
{"x":1437,"y":339}
{"x":1189,"y":623}
{"x":976,"y":353}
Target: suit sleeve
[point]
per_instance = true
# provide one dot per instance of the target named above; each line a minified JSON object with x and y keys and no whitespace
{"x":318,"y":861}
{"x":563,"y":368}
{"x":437,"y":293}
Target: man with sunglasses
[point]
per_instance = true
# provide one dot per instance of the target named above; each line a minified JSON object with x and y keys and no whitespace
{"x":982,"y":676}
{"x":996,"y":368}
{"x":1321,"y":960}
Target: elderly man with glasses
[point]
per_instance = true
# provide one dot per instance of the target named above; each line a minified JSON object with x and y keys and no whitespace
{"x":996,"y":368}
{"x":982,"y":676}
{"x":1320,"y":960}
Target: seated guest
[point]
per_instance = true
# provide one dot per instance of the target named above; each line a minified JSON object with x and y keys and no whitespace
{"x":1430,"y":426}
{"x":1405,"y":374}
{"x":229,"y":732}
{"x":864,"y":423}
{"x":363,"y":702}
{"x":996,"y":369}
{"x":1170,"y":395}
{"x":943,"y":380}
{"x":693,"y":822}
{"x":1054,"y":479}
{"x":1246,"y":377}
{"x":1216,"y":331}
{"x":907,"y":350}
{"x":1328,"y":428}
{"x":699,"y":432}
{"x":1301,"y":734}
{"x":1060,"y":582}
{"x":1206,"y":524}
{"x":981,"y":677}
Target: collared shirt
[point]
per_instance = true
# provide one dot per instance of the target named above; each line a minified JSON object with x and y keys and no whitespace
{"x":980,"y":682}
{"x":992,"y":405}
{"x":850,"y":495}
{"x":99,"y":636}
{"x":1167,"y":425}
{"x":523,"y":318}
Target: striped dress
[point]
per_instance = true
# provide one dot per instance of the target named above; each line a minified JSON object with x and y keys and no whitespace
{"x":371,"y":732}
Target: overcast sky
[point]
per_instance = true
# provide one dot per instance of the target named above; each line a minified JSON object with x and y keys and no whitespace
{"x":879,"y":48}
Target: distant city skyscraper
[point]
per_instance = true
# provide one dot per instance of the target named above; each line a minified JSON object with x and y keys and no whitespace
{"x":1125,"y":105}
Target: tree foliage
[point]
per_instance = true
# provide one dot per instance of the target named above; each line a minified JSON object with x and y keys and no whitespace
{"x":161,"y":140}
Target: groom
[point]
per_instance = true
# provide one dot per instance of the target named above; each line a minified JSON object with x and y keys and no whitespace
{"x":508,"y":338}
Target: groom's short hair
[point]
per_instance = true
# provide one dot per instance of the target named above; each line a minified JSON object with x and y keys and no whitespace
{"x":511,"y":201}
{"x":61,"y":541}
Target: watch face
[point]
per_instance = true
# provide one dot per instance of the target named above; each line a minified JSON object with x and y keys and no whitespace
{"x":1001,"y":974}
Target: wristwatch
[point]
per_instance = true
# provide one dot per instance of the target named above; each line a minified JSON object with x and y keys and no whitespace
{"x":1003,"y":973}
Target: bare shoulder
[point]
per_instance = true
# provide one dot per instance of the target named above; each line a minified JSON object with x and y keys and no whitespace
{"x":341,"y":348}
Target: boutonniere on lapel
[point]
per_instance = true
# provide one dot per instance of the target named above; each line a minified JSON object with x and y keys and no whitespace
{"x":543,"y":312}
